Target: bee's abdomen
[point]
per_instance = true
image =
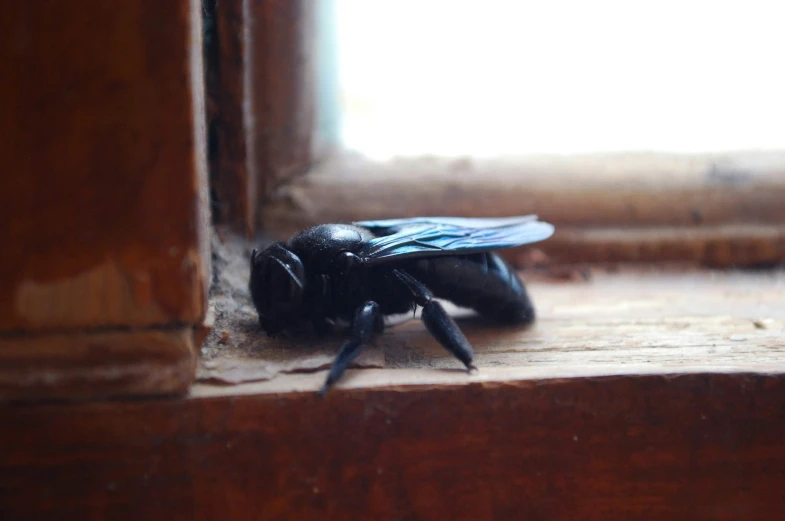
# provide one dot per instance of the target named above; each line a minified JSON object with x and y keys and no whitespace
{"x":482,"y":282}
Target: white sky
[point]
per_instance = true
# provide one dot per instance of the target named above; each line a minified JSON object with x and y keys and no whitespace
{"x":560,"y":76}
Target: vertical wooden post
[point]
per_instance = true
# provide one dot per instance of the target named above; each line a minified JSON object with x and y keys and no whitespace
{"x":103,"y":197}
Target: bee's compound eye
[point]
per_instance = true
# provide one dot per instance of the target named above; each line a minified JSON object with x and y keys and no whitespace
{"x":346,"y":260}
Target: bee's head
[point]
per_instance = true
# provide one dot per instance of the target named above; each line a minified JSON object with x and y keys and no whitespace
{"x":277,"y":285}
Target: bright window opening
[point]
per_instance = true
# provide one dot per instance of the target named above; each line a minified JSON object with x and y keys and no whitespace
{"x":503,"y":77}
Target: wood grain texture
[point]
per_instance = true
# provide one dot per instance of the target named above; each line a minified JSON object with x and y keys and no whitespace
{"x":103,"y":192}
{"x":265,"y":101}
{"x":719,"y":246}
{"x":624,"y":207}
{"x":692,"y":447}
{"x":96,"y":365}
{"x":595,"y":190}
{"x":284,"y":86}
{"x":628,"y":321}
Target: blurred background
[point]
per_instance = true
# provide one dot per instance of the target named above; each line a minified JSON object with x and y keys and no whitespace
{"x":566,"y":76}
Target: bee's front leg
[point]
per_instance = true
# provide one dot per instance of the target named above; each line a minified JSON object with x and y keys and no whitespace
{"x":367,"y":322}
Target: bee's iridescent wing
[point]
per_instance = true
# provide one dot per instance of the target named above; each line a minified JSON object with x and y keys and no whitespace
{"x":435,"y":236}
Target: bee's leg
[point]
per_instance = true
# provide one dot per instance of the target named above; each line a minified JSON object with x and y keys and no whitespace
{"x":439,"y":323}
{"x":367,"y":322}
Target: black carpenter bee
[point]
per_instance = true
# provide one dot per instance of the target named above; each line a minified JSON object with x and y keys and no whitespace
{"x":357,"y":274}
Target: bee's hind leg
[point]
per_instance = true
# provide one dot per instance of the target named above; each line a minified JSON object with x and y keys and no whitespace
{"x":437,"y":321}
{"x":367,"y":322}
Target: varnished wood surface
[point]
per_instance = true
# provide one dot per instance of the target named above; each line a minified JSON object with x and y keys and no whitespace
{"x":103,"y":186}
{"x":720,"y":210}
{"x":692,"y":447}
{"x":97,"y":365}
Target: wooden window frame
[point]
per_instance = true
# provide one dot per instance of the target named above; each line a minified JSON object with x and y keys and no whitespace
{"x":719,"y":210}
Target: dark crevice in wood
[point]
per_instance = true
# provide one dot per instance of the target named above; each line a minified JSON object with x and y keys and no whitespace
{"x":261,"y":85}
{"x":211,"y":55}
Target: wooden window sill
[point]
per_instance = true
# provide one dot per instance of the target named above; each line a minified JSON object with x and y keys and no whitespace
{"x":629,"y":321}
{"x":643,"y":394}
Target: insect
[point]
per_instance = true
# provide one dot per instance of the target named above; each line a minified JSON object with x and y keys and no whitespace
{"x":361,"y":273}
